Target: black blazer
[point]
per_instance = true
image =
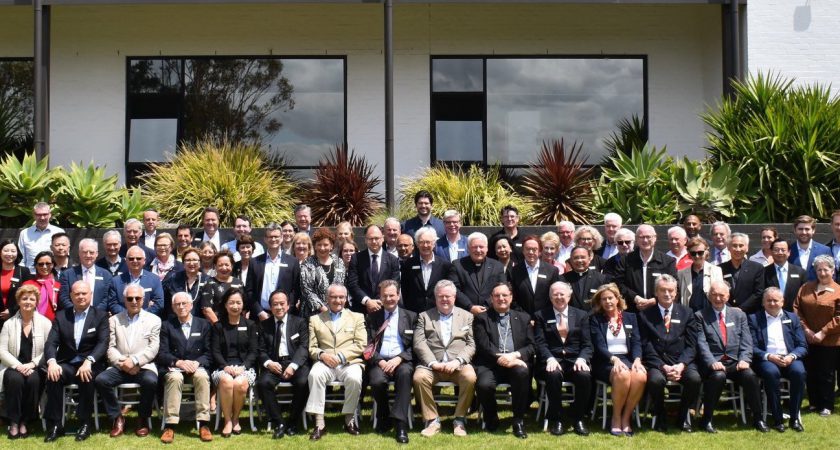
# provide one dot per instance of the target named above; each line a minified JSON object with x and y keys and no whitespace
{"x":578,"y":343}
{"x":610,"y":268}
{"x":174,"y":346}
{"x":677,"y":346}
{"x":61,"y":344}
{"x":629,"y":275}
{"x":745,"y":289}
{"x":525,"y":298}
{"x":796,"y":277}
{"x":297,"y":340}
{"x":415,"y":296}
{"x":249,"y":280}
{"x":583,"y":287}
{"x":178,"y":283}
{"x":358,"y":280}
{"x":248,"y":343}
{"x":598,"y":324}
{"x":288,"y":280}
{"x":405,"y":328}
{"x":791,"y":330}
{"x":19,"y":275}
{"x":486,"y":334}
{"x":470,"y":293}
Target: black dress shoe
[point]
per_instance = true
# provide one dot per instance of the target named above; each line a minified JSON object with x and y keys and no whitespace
{"x":317,"y":434}
{"x":779,"y":426}
{"x":661,"y":426}
{"x":491,"y":425}
{"x":796,"y":425}
{"x":291,"y":430}
{"x":686,"y":427}
{"x":519,"y":429}
{"x":401,"y":436}
{"x":53,"y":432}
{"x":279,"y":432}
{"x":557,"y":428}
{"x":761,"y":426}
{"x":351,"y":428}
{"x":580,"y":428}
{"x":83,"y":433}
{"x":709,"y":428}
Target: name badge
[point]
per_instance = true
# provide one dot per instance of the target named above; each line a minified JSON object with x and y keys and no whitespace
{"x":592,"y":291}
{"x":794,"y":275}
{"x":284,"y":265}
{"x":465,"y":328}
{"x":728,"y":275}
{"x":551,"y":321}
{"x":628,"y":327}
{"x":785,"y":320}
{"x":518,"y":244}
{"x":415,"y":267}
{"x":15,"y":280}
{"x":656,"y":274}
{"x":91,"y":330}
{"x":242,"y":329}
{"x":409,"y":331}
{"x":147,"y":290}
{"x":541,"y":276}
{"x":236,"y":286}
{"x":675,"y":321}
{"x":295,"y":336}
{"x":730,"y":324}
{"x":98,"y":278}
{"x":591,"y":267}
{"x":349,"y":329}
{"x":55,"y":289}
{"x":195,"y":334}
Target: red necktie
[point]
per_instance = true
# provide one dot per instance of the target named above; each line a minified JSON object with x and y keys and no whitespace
{"x":667,"y":320}
{"x":722,"y":326}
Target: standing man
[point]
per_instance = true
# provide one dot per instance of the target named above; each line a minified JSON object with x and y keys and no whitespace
{"x":566,"y":232}
{"x":720,"y":239}
{"x":783,"y":275}
{"x":612,"y":222}
{"x":677,"y":240}
{"x":636,"y":273}
{"x":745,"y":277}
{"x":241,"y":227}
{"x":285,"y":358}
{"x":75,"y":354}
{"x":132,"y":348}
{"x":183,"y":240}
{"x":504,"y":343}
{"x":337,"y":339}
{"x":444,"y":345}
{"x":185,"y":356}
{"x":583,"y":280}
{"x":210,"y":220}
{"x":38,"y":237}
{"x":148,"y":282}
{"x":391,"y":233}
{"x":834,"y":244}
{"x":273,"y":270}
{"x":303,"y":219}
{"x":391,"y":331}
{"x":60,"y":247}
{"x":692,"y":226}
{"x":132,"y":230}
{"x":452,"y":245}
{"x":367,"y":269}
{"x":510,"y":229}
{"x":150,"y":223}
{"x":805,"y":248}
{"x":420,"y":274}
{"x":423,"y":202}
{"x":97,"y":278}
{"x":626,"y":241}
{"x":113,"y":262}
{"x":475,"y":275}
{"x":405,"y":248}
{"x":530,"y":281}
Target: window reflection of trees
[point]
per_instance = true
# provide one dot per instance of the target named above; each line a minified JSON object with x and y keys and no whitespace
{"x":16,"y":106}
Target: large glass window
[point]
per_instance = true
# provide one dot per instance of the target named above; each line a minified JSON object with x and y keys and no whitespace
{"x":16,"y":105}
{"x":500,"y":110}
{"x":295,"y":107}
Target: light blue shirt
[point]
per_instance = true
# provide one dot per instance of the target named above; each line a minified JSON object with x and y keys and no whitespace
{"x":270,"y":275}
{"x":79,"y":330}
{"x":391,"y":343}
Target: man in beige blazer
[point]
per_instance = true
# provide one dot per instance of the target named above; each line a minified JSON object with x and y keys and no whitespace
{"x":134,"y":343}
{"x":444,"y":345}
{"x":337,"y":339}
{"x":700,"y":273}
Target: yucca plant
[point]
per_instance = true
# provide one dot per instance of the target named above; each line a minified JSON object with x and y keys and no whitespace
{"x":708,"y":192}
{"x":86,"y":197}
{"x":558,"y":185}
{"x":233,"y":177}
{"x":23,"y":184}
{"x":344,"y":188}
{"x":132,"y":203}
{"x":631,"y":134}
{"x":478,"y":194}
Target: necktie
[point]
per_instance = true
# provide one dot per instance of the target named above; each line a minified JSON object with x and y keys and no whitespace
{"x":374,"y":270}
{"x":718,"y":258}
{"x":722,"y":326}
{"x":667,"y":319}
{"x":278,"y":336}
{"x":780,"y":272}
{"x":562,"y":327}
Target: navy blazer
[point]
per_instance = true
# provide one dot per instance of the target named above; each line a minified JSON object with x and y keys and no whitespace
{"x":411,"y":226}
{"x":578,"y":343}
{"x":358,"y":280}
{"x":297,"y":340}
{"x":791,"y":330}
{"x":598,"y":324}
{"x":442,"y":248}
{"x":61,"y":344}
{"x":174,"y":346}
{"x":817,"y":249}
{"x":405,"y":328}
{"x":225,"y":236}
{"x":710,"y":348}
{"x":178,"y":283}
{"x":796,"y":277}
{"x":661,"y":348}
{"x":415,"y":296}
{"x":526,"y":298}
{"x":152,"y":293}
{"x":103,"y":290}
{"x":288,"y":280}
{"x":487,"y":339}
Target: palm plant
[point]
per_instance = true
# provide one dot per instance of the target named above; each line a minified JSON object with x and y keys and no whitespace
{"x":86,"y":197}
{"x":23,"y":182}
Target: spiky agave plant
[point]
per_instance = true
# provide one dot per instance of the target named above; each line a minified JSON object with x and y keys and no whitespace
{"x":559,"y":185}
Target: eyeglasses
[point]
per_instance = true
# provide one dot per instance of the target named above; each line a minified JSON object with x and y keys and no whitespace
{"x":697,"y":254}
{"x":181,"y":305}
{"x":623,"y":242}
{"x":134,"y":299}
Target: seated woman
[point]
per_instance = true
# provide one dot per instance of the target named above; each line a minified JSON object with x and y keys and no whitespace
{"x":46,"y":283}
{"x":21,"y":350}
{"x":213,"y":292}
{"x":617,"y":355}
{"x":318,"y":272}
{"x":235,"y":345}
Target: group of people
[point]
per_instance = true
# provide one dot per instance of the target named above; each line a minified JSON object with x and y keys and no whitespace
{"x":420,"y":305}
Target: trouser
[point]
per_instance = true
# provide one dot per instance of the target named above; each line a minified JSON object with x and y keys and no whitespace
{"x":424,"y":380}
{"x":378,"y":381}
{"x":172,"y":391}
{"x":321,"y":374}
{"x":821,"y":363}
{"x":716,"y":379}
{"x":21,"y":395}
{"x":113,"y":377}
{"x":690,"y":383}
{"x":55,"y":394}
{"x":487,"y":378}
{"x":554,"y":388}
{"x":771,"y":374}
{"x":267,"y":384}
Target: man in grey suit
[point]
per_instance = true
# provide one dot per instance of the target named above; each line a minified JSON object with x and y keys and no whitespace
{"x":444,"y":346}
{"x":725,"y":350}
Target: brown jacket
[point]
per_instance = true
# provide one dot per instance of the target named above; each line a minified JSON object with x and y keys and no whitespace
{"x":428,"y":345}
{"x":820,"y":311}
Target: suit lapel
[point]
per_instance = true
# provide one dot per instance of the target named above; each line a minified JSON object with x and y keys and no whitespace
{"x":713,"y":318}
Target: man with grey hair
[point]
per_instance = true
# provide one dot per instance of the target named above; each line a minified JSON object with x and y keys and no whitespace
{"x":745,"y":277}
{"x":132,"y":231}
{"x":420,"y":274}
{"x":720,"y":239}
{"x":566,"y":232}
{"x":97,"y":278}
{"x":612,"y":222}
{"x":677,"y":240}
{"x":391,"y":231}
{"x":38,"y":237}
{"x":625,"y":239}
{"x":451,"y":245}
{"x":113,"y":262}
{"x":303,"y":219}
{"x":475,"y":275}
{"x":636,"y":272}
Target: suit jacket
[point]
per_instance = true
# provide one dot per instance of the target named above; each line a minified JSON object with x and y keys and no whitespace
{"x":150,"y":252}
{"x":152,"y":293}
{"x":817,"y":249}
{"x":745,"y":289}
{"x":792,"y":331}
{"x":10,"y":342}
{"x":413,"y":224}
{"x":359,"y":282}
{"x":103,"y":291}
{"x":247,"y":343}
{"x":488,"y":341}
{"x":288,"y":280}
{"x":314,"y":283}
{"x":515,"y":244}
{"x":174,"y":346}
{"x":178,"y":267}
{"x":428,"y":345}
{"x":416,"y":296}
{"x":598,"y":325}
{"x":121,"y":268}
{"x":347,"y":337}
{"x":442,"y":248}
{"x":710,"y":348}
{"x":526,"y":298}
{"x":610,"y":268}
{"x":144,"y":345}
{"x":9,"y":302}
{"x":405,"y":328}
{"x":225,"y":236}
{"x":676,"y":346}
{"x":470,"y":293}
{"x":796,"y":277}
{"x":711,"y":273}
{"x":296,"y":337}
{"x":61,"y":344}
{"x":178,"y":283}
{"x":629,"y":275}
{"x":549,"y":344}
{"x":583,"y":287}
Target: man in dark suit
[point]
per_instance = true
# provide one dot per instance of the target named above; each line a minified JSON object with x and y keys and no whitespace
{"x":391,"y":331}
{"x":834,"y":244}
{"x":612,"y":223}
{"x":273,"y":270}
{"x":804,"y":249}
{"x":367,"y":269}
{"x":725,"y":350}
{"x":636,"y":272}
{"x":668,"y":349}
{"x":184,"y":354}
{"x":284,"y":356}
{"x":98,"y":279}
{"x":152,"y":287}
{"x":783,"y":275}
{"x":583,"y":278}
{"x":112,"y":261}
{"x":132,"y":231}
{"x":778,"y":348}
{"x":475,"y":275}
{"x":74,"y":355}
{"x":745,"y":277}
{"x":420,"y":274}
{"x":452,"y":245}
{"x":564,"y":349}
{"x":504,"y":347}
{"x":423,"y":202}
{"x":210,"y":229}
{"x":531,"y":279}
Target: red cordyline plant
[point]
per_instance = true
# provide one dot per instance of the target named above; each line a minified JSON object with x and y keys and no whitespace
{"x":559,"y":185}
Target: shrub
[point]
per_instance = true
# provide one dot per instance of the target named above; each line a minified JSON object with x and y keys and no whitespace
{"x":478,"y":194}
{"x":233,"y":177}
{"x":631,"y":134}
{"x":85,"y":197}
{"x":343,"y":189}
{"x":23,"y":183}
{"x":558,"y":185}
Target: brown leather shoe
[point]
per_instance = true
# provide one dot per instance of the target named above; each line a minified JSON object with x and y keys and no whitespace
{"x":317,"y":434}
{"x":118,"y":427}
{"x":205,"y":434}
{"x":168,"y":436}
{"x":142,"y":429}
